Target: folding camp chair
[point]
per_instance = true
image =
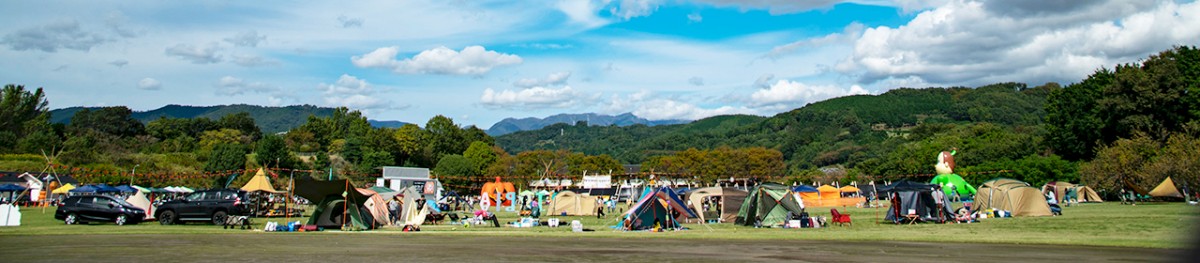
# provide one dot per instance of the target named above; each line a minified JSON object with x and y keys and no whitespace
{"x":840,"y":218}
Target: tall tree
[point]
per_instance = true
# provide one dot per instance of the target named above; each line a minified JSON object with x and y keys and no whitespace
{"x":117,"y":121}
{"x":241,"y":121}
{"x":481,"y":155}
{"x":272,"y":152}
{"x":22,"y":113}
{"x":225,"y":157}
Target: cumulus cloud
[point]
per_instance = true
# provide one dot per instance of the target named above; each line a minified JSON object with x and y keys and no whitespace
{"x":230,"y":86}
{"x":196,"y":54}
{"x":848,"y":35}
{"x":650,"y":106}
{"x":50,"y":37}
{"x":976,"y":43}
{"x":626,"y":9}
{"x":555,"y":79}
{"x":472,"y":60}
{"x":246,"y":39}
{"x":348,"y":22}
{"x":582,"y":12}
{"x":530,"y":98}
{"x":695,"y":18}
{"x":252,"y":61}
{"x":355,"y":93}
{"x":149,"y":84}
{"x":118,"y":23}
{"x":786,"y":94}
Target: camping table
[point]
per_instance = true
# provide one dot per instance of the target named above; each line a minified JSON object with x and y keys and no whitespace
{"x":911,"y":218}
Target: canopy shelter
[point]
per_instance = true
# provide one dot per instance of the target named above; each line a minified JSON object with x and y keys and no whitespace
{"x":849,"y":189}
{"x":84,"y":189}
{"x":1166,"y":189}
{"x":1064,"y":190}
{"x":1013,"y":196}
{"x":259,"y":183}
{"x":142,"y":189}
{"x":63,"y":189}
{"x":572,"y":204}
{"x":337,"y":204}
{"x":657,"y":208}
{"x":809,"y":194}
{"x":919,"y":201}
{"x":125,"y":189}
{"x":104,"y":188}
{"x":953,"y":182}
{"x":726,"y":210}
{"x":11,"y":188}
{"x":769,"y":204}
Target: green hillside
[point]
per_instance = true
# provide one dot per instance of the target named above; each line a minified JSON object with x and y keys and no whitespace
{"x":269,"y":119}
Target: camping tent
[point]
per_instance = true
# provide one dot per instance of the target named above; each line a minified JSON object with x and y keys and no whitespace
{"x":808,"y":194}
{"x":770,"y":203}
{"x":947,"y":180}
{"x":377,"y":206}
{"x":572,"y":204}
{"x":259,"y":182}
{"x":1166,"y":189}
{"x":335,"y":200}
{"x":657,"y":206}
{"x":917,"y":199}
{"x":1061,"y":189}
{"x":726,"y":211}
{"x":1013,"y":196}
{"x":140,"y":201}
{"x":409,"y":213}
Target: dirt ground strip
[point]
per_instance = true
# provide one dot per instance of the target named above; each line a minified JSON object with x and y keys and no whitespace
{"x":422,"y":247}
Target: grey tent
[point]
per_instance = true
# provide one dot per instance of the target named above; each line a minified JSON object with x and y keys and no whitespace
{"x":911,"y":198}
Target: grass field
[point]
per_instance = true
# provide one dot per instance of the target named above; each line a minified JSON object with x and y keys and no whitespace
{"x":1147,"y":225}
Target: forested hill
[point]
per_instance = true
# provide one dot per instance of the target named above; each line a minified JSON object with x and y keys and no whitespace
{"x":836,"y":131}
{"x":269,"y":119}
{"x":511,"y":125}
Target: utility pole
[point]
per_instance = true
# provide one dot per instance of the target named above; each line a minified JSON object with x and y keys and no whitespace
{"x":132,"y":173}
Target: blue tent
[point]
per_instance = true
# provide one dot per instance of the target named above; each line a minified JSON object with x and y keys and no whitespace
{"x":11,"y":188}
{"x":126,"y":189}
{"x":804,"y":189}
{"x":103,"y":188}
{"x":84,"y":189}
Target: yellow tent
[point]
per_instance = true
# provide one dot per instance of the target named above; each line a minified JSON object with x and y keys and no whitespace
{"x":63,"y":189}
{"x":260,"y":182}
{"x":1166,"y":189}
{"x":849,"y":189}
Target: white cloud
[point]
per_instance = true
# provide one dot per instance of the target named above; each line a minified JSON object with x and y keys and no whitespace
{"x":199,"y":55}
{"x":696,"y":81}
{"x":53,"y":36}
{"x":650,"y":106}
{"x":149,"y":84}
{"x":626,"y":9}
{"x":786,"y":94}
{"x":554,"y":79}
{"x":1063,"y":42}
{"x":118,"y":23}
{"x":252,"y":61}
{"x":354,"y":93}
{"x":472,"y":60}
{"x":847,"y":36}
{"x":230,"y":86}
{"x":695,"y":18}
{"x":348,"y":22}
{"x":530,"y":98}
{"x":119,"y":63}
{"x":582,"y":12}
{"x":246,"y":39}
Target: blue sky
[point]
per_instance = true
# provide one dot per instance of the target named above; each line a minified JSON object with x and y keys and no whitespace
{"x":481,"y":61}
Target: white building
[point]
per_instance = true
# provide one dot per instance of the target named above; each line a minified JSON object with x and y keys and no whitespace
{"x":397,"y":178}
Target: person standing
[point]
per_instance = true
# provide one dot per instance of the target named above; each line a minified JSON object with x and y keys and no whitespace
{"x":394,"y":209}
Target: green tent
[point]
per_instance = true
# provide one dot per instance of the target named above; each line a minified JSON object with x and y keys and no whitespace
{"x":769,"y":202}
{"x":330,"y":198}
{"x":946,"y":180}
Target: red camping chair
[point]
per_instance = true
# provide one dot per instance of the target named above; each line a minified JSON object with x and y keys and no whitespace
{"x":840,"y":218}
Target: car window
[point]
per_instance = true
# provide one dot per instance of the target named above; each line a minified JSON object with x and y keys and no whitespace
{"x":227,"y":195}
{"x":196,"y":196}
{"x":87,"y":200}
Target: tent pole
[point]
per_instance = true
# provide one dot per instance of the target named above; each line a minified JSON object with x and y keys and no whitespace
{"x":345,"y":203}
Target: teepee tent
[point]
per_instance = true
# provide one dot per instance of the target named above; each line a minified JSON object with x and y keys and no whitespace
{"x":259,"y":182}
{"x":657,"y":207}
{"x":1166,"y":189}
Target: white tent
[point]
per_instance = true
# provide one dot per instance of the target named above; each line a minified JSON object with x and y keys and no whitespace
{"x":139,"y":200}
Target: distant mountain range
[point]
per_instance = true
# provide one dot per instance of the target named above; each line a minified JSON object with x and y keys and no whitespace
{"x":269,"y":119}
{"x":511,"y":125}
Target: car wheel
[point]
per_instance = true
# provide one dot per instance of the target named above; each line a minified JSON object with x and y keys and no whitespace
{"x":121,"y":220}
{"x":218,"y":218}
{"x":166,"y":217}
{"x":71,"y":219}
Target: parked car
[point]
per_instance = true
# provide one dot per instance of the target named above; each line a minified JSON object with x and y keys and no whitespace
{"x":98,"y":208}
{"x":211,"y":205}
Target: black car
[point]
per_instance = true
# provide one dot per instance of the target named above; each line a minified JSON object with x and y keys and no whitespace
{"x":98,"y":208}
{"x":207,"y":205}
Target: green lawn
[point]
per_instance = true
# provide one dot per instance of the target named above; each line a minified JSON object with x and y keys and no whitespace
{"x":1150,"y":225}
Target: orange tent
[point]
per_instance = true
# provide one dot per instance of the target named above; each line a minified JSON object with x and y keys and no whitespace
{"x":498,"y":191}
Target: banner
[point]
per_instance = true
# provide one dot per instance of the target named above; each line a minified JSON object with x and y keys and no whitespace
{"x":598,"y":181}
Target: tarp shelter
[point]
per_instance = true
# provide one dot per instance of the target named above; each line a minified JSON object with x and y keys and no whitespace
{"x":573,"y":204}
{"x":1061,"y":190}
{"x":140,"y":201}
{"x":259,"y":183}
{"x":769,"y":202}
{"x":1013,"y":196}
{"x":911,"y":198}
{"x":335,"y":201}
{"x":726,"y":210}
{"x":660,"y":206}
{"x":1166,"y":189}
{"x":63,"y":189}
{"x":953,"y":182}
